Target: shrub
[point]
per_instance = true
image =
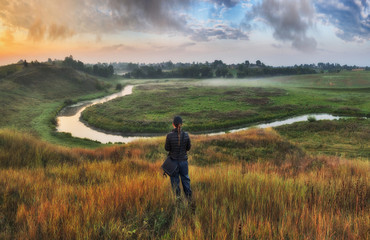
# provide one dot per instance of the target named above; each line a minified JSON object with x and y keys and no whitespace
{"x":311,"y":119}
{"x":119,"y":87}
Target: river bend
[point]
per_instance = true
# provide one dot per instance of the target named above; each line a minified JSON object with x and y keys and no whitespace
{"x":69,"y":121}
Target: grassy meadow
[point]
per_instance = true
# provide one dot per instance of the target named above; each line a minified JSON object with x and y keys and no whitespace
{"x":308,"y":180}
{"x":214,"y":105}
{"x":118,"y":192}
{"x":346,"y":137}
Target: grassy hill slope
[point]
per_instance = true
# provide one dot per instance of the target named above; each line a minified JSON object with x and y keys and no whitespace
{"x":52,"y":82}
{"x":30,"y":96}
{"x":280,"y":192}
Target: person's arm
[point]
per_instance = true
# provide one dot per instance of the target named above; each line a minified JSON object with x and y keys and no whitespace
{"x":167,"y":146}
{"x":188,"y":144}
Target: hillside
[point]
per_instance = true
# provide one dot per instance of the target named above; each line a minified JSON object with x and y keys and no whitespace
{"x":247,"y":185}
{"x":52,"y":82}
{"x":30,"y":96}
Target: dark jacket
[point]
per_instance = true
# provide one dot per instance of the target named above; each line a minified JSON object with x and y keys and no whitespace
{"x":172,"y":145}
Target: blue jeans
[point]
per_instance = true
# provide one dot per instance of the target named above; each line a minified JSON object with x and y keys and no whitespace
{"x":183,"y":172}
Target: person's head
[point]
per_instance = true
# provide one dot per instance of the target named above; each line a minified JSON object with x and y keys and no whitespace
{"x":177,"y":121}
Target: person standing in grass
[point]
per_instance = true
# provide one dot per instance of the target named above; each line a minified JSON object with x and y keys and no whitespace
{"x":178,"y":144}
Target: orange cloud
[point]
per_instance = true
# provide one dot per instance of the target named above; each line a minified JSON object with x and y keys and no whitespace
{"x":59,"y":32}
{"x":7,"y":37}
{"x":36,"y":31}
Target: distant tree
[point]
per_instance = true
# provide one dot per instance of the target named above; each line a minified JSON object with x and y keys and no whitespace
{"x":241,"y":74}
{"x":79,"y":65}
{"x":217,"y":64}
{"x":168,"y":65}
{"x":229,"y":75}
{"x":68,"y":61}
{"x":151,"y":72}
{"x":240,"y":67}
{"x":132,"y":66}
{"x":95,"y":69}
{"x":205,"y":72}
{"x":119,"y":86}
{"x":25,"y":63}
{"x":258,"y":63}
{"x":221,"y":71}
{"x":88,"y":69}
{"x":138,"y":73}
{"x":246,"y":63}
{"x":110,"y":70}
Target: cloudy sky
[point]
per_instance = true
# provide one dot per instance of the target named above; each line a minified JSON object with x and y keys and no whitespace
{"x":277,"y":32}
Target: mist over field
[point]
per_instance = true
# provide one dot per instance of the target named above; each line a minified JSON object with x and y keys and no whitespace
{"x":220,"y":82}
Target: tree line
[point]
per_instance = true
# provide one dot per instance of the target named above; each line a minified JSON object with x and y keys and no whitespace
{"x":99,"y":69}
{"x":215,"y":69}
{"x":209,"y":70}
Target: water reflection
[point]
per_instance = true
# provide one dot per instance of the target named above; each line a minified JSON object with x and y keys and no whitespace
{"x":69,"y":121}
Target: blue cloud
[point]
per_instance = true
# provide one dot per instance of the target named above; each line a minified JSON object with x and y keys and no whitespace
{"x":290,"y":21}
{"x":218,"y":31}
{"x":217,"y":19}
{"x":350,"y":17}
{"x":226,"y":3}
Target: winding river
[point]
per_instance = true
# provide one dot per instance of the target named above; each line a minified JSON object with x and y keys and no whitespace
{"x":69,"y":121}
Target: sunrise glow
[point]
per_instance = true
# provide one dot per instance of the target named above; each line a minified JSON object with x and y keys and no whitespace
{"x":279,"y":32}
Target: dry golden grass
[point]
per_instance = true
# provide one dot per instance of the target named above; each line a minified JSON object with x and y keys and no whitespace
{"x":117,"y":193}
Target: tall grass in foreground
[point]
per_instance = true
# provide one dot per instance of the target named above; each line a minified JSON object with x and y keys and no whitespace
{"x":323,"y":198}
{"x":22,"y":150}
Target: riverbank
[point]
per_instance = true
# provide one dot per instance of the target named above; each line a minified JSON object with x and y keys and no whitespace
{"x":71,"y":122}
{"x":208,"y":109}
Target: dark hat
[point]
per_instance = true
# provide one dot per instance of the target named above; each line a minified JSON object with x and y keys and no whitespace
{"x":177,"y":120}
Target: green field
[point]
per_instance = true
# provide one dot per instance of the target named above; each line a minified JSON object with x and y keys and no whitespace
{"x":219,"y":104}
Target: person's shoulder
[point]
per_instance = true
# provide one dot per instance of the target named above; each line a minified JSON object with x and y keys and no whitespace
{"x":170,"y":133}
